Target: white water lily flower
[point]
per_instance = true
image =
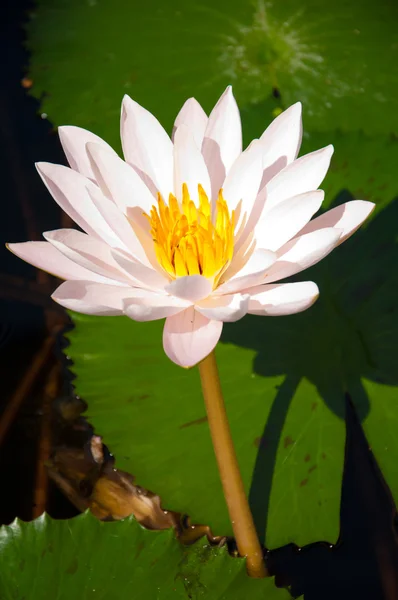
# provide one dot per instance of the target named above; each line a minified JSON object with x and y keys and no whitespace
{"x":190,"y":229}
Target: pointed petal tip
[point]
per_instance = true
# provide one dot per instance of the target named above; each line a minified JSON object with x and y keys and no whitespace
{"x":330,"y":149}
{"x":296,"y":107}
{"x":283,"y":299}
{"x":312,"y":286}
{"x":63,"y":130}
{"x":191,"y":104}
{"x":370,"y":206}
{"x":64,"y":134}
{"x":52,"y":234}
{"x":40,"y":166}
{"x":192,"y":101}
{"x":228,"y":93}
{"x":127,"y":103}
{"x":365,"y":208}
{"x":44,"y":168}
{"x":366,"y":205}
{"x":13,"y":247}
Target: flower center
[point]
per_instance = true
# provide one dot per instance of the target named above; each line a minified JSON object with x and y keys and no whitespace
{"x":187,"y":240}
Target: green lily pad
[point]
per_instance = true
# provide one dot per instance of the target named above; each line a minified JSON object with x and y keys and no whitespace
{"x":362,"y":164}
{"x":346,"y":343}
{"x":86,"y":558}
{"x":338,"y":59}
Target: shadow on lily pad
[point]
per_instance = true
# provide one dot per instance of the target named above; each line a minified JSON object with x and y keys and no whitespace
{"x":348,"y":335}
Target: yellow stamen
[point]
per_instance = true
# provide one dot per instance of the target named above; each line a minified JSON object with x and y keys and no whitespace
{"x":187,"y":240}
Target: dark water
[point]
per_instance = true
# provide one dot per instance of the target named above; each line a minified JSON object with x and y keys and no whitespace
{"x":363,"y":565}
{"x":26,"y":211}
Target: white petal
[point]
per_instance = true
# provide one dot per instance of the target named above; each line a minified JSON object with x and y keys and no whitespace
{"x":283,"y":136}
{"x":282,"y":299}
{"x":259,"y":260}
{"x":283,"y":221}
{"x":147,"y":276}
{"x":142,"y":230}
{"x":242,"y":253}
{"x":190,"y":287}
{"x":228,"y":308}
{"x":120,"y":226}
{"x":303,"y":252}
{"x":70,"y":190}
{"x":119,"y":181}
{"x":87,"y":252}
{"x":222,"y":142}
{"x":192,"y":115}
{"x":189,"y":165}
{"x":254,"y":216}
{"x":146,"y":146}
{"x":348,"y":218}
{"x":302,"y":175}
{"x":189,"y":337}
{"x":91,"y":298}
{"x":74,"y":140}
{"x":45,"y":256}
{"x":253,"y":273}
{"x":152,"y":307}
{"x":243,"y":179}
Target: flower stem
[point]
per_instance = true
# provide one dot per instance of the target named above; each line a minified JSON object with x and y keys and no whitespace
{"x":234,"y":492}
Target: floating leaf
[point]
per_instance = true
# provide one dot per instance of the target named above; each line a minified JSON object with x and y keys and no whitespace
{"x":338,"y":59}
{"x":362,"y":164}
{"x":86,"y":558}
